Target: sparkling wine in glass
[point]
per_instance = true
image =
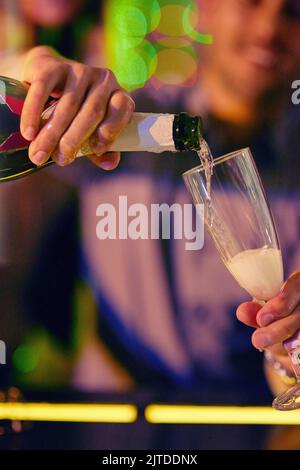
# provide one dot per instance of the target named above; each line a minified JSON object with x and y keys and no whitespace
{"x":240,"y":222}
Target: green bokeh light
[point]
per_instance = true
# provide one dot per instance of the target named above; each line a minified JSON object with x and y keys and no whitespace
{"x":131,"y":56}
{"x":190,"y":30}
{"x":25,"y":358}
{"x":132,"y":71}
{"x":129,"y":20}
{"x":134,"y":17}
{"x":129,"y":42}
{"x":136,"y":66}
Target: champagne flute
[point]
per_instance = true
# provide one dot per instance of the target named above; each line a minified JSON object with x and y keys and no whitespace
{"x":240,"y":222}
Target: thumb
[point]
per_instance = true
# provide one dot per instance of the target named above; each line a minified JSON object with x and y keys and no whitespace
{"x":107,"y":161}
{"x":247,"y":312}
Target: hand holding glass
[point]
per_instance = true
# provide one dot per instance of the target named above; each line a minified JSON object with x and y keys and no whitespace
{"x":239,"y":220}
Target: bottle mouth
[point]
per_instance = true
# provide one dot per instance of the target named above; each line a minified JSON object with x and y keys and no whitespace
{"x":187,"y":131}
{"x":237,"y":153}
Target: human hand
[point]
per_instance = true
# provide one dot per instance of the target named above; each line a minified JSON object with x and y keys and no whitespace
{"x":276,"y":321}
{"x":91,"y":106}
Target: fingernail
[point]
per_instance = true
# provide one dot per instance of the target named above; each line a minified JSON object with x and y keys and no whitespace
{"x":62,"y":160}
{"x":266,"y":319}
{"x":282,"y":289}
{"x":29,"y":133}
{"x":282,"y":293}
{"x":106,"y":165}
{"x":264,"y":341}
{"x":40,"y":157}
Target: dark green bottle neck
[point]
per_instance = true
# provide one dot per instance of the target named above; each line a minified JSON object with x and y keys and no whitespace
{"x":187,"y":132}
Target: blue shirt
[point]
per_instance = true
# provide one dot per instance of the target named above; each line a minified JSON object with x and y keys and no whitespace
{"x":166,"y":314}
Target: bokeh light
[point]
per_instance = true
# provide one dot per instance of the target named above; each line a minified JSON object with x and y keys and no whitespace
{"x":171,"y":23}
{"x":185,"y":66}
{"x":151,"y":38}
{"x":25,"y":358}
{"x":190,"y":14}
{"x":134,"y":17}
{"x":136,"y":66}
{"x":133,"y":20}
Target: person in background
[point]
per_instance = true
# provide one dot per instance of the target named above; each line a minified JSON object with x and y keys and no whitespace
{"x":162,"y":318}
{"x":248,"y":81}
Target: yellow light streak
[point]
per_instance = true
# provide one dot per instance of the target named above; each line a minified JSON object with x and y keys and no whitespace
{"x":155,"y":414}
{"x":190,"y":414}
{"x":81,"y":412}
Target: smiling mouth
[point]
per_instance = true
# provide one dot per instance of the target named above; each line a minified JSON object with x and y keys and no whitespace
{"x":262,"y":57}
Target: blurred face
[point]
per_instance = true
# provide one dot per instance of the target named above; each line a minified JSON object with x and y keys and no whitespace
{"x":50,"y":12}
{"x":256,"y":46}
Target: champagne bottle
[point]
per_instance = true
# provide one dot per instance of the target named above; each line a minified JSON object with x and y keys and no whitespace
{"x":146,"y":132}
